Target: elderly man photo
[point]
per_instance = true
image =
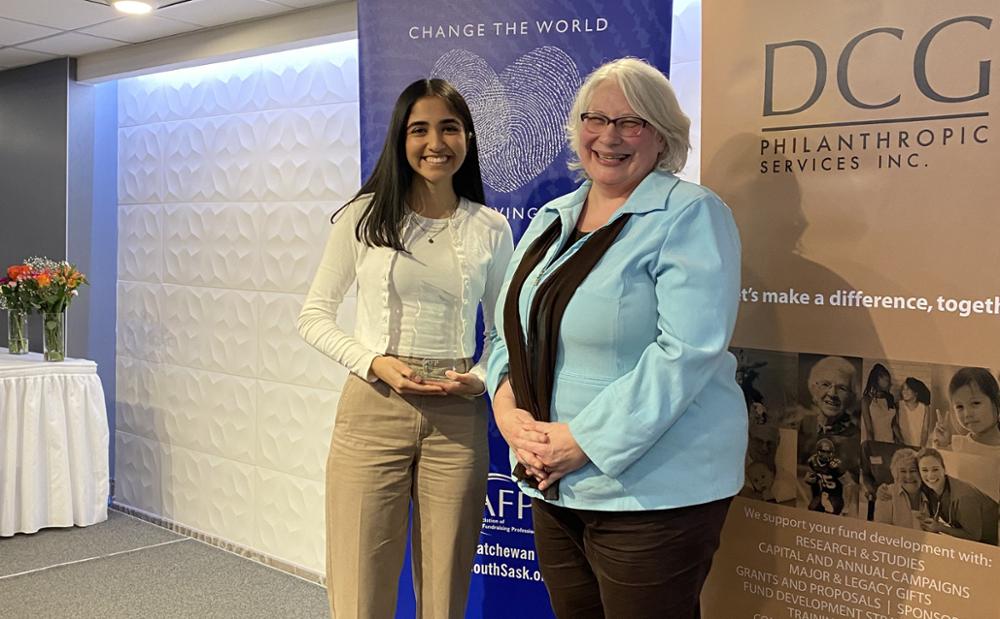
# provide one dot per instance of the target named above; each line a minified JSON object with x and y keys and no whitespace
{"x":828,"y":418}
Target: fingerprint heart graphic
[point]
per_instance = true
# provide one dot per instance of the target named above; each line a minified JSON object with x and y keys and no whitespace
{"x":520,"y":114}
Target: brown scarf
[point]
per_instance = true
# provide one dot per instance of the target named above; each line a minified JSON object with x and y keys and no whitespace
{"x":532,"y":366}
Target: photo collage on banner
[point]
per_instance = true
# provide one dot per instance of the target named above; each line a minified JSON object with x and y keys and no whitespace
{"x":875,"y":440}
{"x":518,"y":64}
{"x":854,"y":144}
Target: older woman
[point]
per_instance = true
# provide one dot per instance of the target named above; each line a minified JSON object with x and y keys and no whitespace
{"x":897,"y":503}
{"x":612,"y":382}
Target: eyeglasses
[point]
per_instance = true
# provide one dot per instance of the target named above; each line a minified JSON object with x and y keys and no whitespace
{"x":627,"y":126}
{"x":826,"y":386}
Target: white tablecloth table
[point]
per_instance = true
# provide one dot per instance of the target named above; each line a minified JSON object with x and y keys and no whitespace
{"x":53,"y":444}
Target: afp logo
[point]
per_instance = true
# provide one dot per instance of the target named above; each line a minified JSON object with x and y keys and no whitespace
{"x":505,"y":501}
{"x":923,"y":48}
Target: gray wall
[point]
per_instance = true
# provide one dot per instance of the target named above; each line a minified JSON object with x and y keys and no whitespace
{"x":92,"y":228}
{"x":58,"y":185}
{"x":33,"y":165}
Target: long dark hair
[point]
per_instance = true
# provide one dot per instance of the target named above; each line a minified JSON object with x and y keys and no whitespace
{"x":872,"y":390}
{"x":382,"y":221}
{"x":919,"y":389}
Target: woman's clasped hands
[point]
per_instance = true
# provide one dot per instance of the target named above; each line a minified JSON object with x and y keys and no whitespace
{"x":548,"y":451}
{"x":405,"y":380}
{"x":564,"y":454}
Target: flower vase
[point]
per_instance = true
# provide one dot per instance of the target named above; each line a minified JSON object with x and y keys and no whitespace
{"x":54,"y":336}
{"x":17,"y":332}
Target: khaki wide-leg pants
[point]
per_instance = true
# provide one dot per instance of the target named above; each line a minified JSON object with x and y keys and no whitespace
{"x":387,"y":450}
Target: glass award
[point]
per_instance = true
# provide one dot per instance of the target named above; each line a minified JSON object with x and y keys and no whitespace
{"x":439,"y":314}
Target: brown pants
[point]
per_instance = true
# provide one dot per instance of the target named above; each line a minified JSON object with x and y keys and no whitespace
{"x":387,"y":450}
{"x":626,"y":565}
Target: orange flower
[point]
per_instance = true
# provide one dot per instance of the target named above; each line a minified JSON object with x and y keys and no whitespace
{"x":17,"y":271}
{"x":43,"y":279}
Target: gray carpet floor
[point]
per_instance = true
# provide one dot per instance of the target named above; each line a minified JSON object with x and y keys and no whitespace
{"x":125,"y":567}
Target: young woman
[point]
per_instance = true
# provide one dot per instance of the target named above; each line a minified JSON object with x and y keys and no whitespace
{"x":954,"y":507}
{"x":878,"y":408}
{"x":915,"y":421}
{"x":425,"y":253}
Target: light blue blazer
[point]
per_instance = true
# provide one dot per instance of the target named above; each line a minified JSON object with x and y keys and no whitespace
{"x":644,"y":377}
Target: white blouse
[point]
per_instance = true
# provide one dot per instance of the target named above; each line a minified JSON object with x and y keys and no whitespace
{"x":482,"y":243}
{"x":911,"y":422}
{"x":881,"y":417}
{"x":426,"y":289}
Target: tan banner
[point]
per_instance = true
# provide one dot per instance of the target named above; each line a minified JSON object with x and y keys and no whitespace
{"x":855,"y":144}
{"x":853,"y":141}
{"x":781,"y":564}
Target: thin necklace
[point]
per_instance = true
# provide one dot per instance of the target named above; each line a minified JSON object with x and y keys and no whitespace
{"x":431,"y":237}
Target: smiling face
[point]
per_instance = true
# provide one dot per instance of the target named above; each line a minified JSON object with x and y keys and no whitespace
{"x":907,"y":395}
{"x":825,"y":450}
{"x":974,"y":410}
{"x":612,"y":161}
{"x":933,"y":474}
{"x":436,"y":141}
{"x":831,"y":390}
{"x":907,"y":475}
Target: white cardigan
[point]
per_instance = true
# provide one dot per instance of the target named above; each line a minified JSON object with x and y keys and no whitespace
{"x":483,"y":243}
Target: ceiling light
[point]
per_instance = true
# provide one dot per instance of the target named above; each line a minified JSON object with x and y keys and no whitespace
{"x":133,"y":7}
{"x":137,"y":7}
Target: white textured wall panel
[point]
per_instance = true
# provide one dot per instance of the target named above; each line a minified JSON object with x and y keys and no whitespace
{"x":290,"y":513}
{"x":213,"y":245}
{"x":284,"y":357}
{"x":292,"y":237}
{"x":139,"y":413}
{"x":207,"y":412}
{"x":685,"y":35}
{"x":302,"y":80}
{"x":140,"y":230}
{"x":685,"y":75}
{"x":140,"y":102}
{"x":140,"y":472}
{"x":208,"y":493}
{"x":201,"y":93}
{"x":140,"y":165}
{"x":309,"y":153}
{"x":228,"y":176}
{"x":211,"y":329}
{"x":296,"y":444}
{"x":686,"y":80}
{"x":297,"y":78}
{"x":140,"y":331}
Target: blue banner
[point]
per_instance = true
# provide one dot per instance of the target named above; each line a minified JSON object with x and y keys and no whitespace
{"x":518,"y":63}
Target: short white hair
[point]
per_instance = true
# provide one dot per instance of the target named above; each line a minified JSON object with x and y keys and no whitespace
{"x":649,"y":93}
{"x":901,"y":457}
{"x":837,"y":364}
